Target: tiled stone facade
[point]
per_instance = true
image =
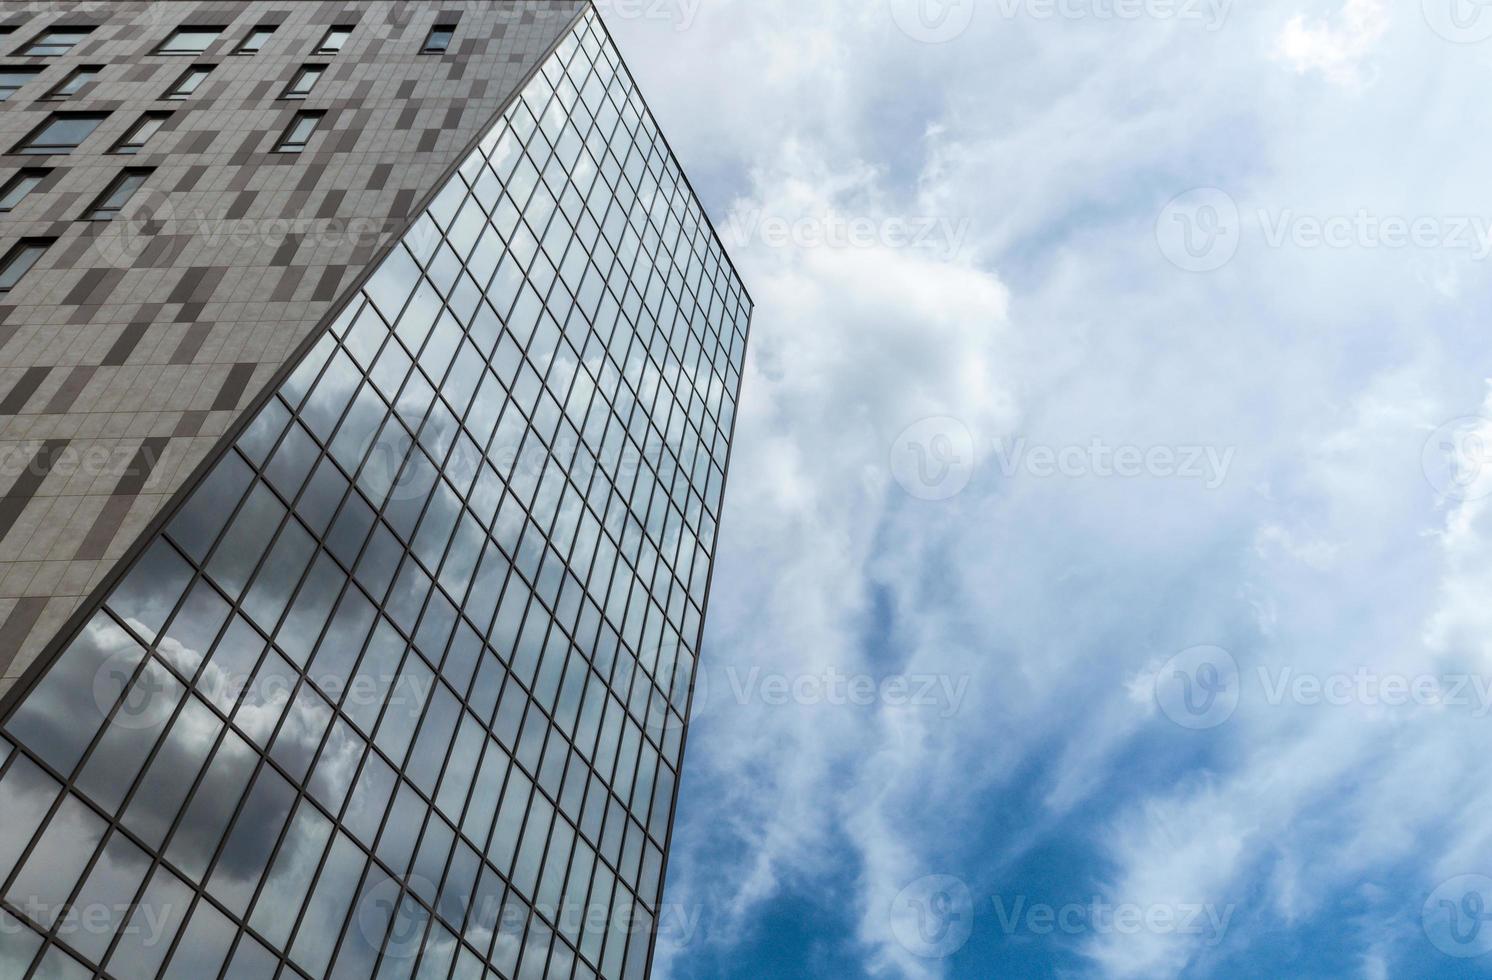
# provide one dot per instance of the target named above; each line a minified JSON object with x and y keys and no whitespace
{"x":134,"y":345}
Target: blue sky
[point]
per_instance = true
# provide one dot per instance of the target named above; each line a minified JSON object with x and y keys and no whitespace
{"x":1101,"y":590}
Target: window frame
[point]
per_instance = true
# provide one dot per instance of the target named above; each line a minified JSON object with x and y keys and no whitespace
{"x":124,"y":148}
{"x":289,"y":92}
{"x":267,"y":30}
{"x":164,"y":51}
{"x":41,"y":40}
{"x":321,"y":46}
{"x":39,"y":174}
{"x":96,"y":210}
{"x":284,"y":143}
{"x":13,"y":254}
{"x":175,"y":94}
{"x":30,"y":73}
{"x":55,"y":93}
{"x":27,"y":146}
{"x":438,"y":28}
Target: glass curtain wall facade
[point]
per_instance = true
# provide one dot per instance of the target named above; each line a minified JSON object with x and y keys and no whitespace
{"x":399,"y":690}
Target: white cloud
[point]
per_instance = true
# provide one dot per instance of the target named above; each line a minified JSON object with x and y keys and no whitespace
{"x":1336,"y":47}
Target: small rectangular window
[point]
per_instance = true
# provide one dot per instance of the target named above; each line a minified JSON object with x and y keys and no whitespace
{"x":189,"y":82}
{"x":112,"y":200}
{"x":334,"y":41}
{"x":140,"y":133}
{"x":17,"y":187}
{"x":7,"y":29}
{"x":55,"y":42}
{"x":62,"y":131}
{"x":189,"y":40}
{"x":73,"y":83}
{"x":19,"y":260}
{"x":299,"y":133}
{"x":11,"y":80}
{"x":304,"y":81}
{"x":256,"y":40}
{"x":439,"y":39}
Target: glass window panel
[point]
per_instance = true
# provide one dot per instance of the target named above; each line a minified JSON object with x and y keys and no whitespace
{"x":197,"y":524}
{"x":61,"y":715}
{"x":57,"y":861}
{"x":301,"y":732}
{"x":375,"y":786}
{"x":277,"y":579}
{"x":251,"y":961}
{"x":369,"y":923}
{"x":204,"y":945}
{"x":144,"y":942}
{"x":165,"y":785}
{"x":396,"y":845}
{"x":247,"y":850}
{"x":289,"y":880}
{"x":337,"y":766}
{"x":18,"y":946}
{"x":26,"y":794}
{"x":244,"y":543}
{"x":328,"y":906}
{"x":57,"y":965}
{"x":129,"y":738}
{"x":212,"y":806}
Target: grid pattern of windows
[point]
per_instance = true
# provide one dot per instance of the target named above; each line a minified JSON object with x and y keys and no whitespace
{"x":399,"y":691}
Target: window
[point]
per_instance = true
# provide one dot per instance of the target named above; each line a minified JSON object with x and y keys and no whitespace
{"x":112,"y":200}
{"x":55,"y":42}
{"x":189,"y":81}
{"x":334,"y":40}
{"x":16,"y":189}
{"x":299,"y":134}
{"x":73,"y":83}
{"x":439,"y":39}
{"x":189,"y":40}
{"x":304,"y":81}
{"x":256,"y":40}
{"x":140,"y":133}
{"x":19,"y":260}
{"x":61,"y":132}
{"x":11,"y":80}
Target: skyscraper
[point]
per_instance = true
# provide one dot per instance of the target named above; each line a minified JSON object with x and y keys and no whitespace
{"x":367,"y":373}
